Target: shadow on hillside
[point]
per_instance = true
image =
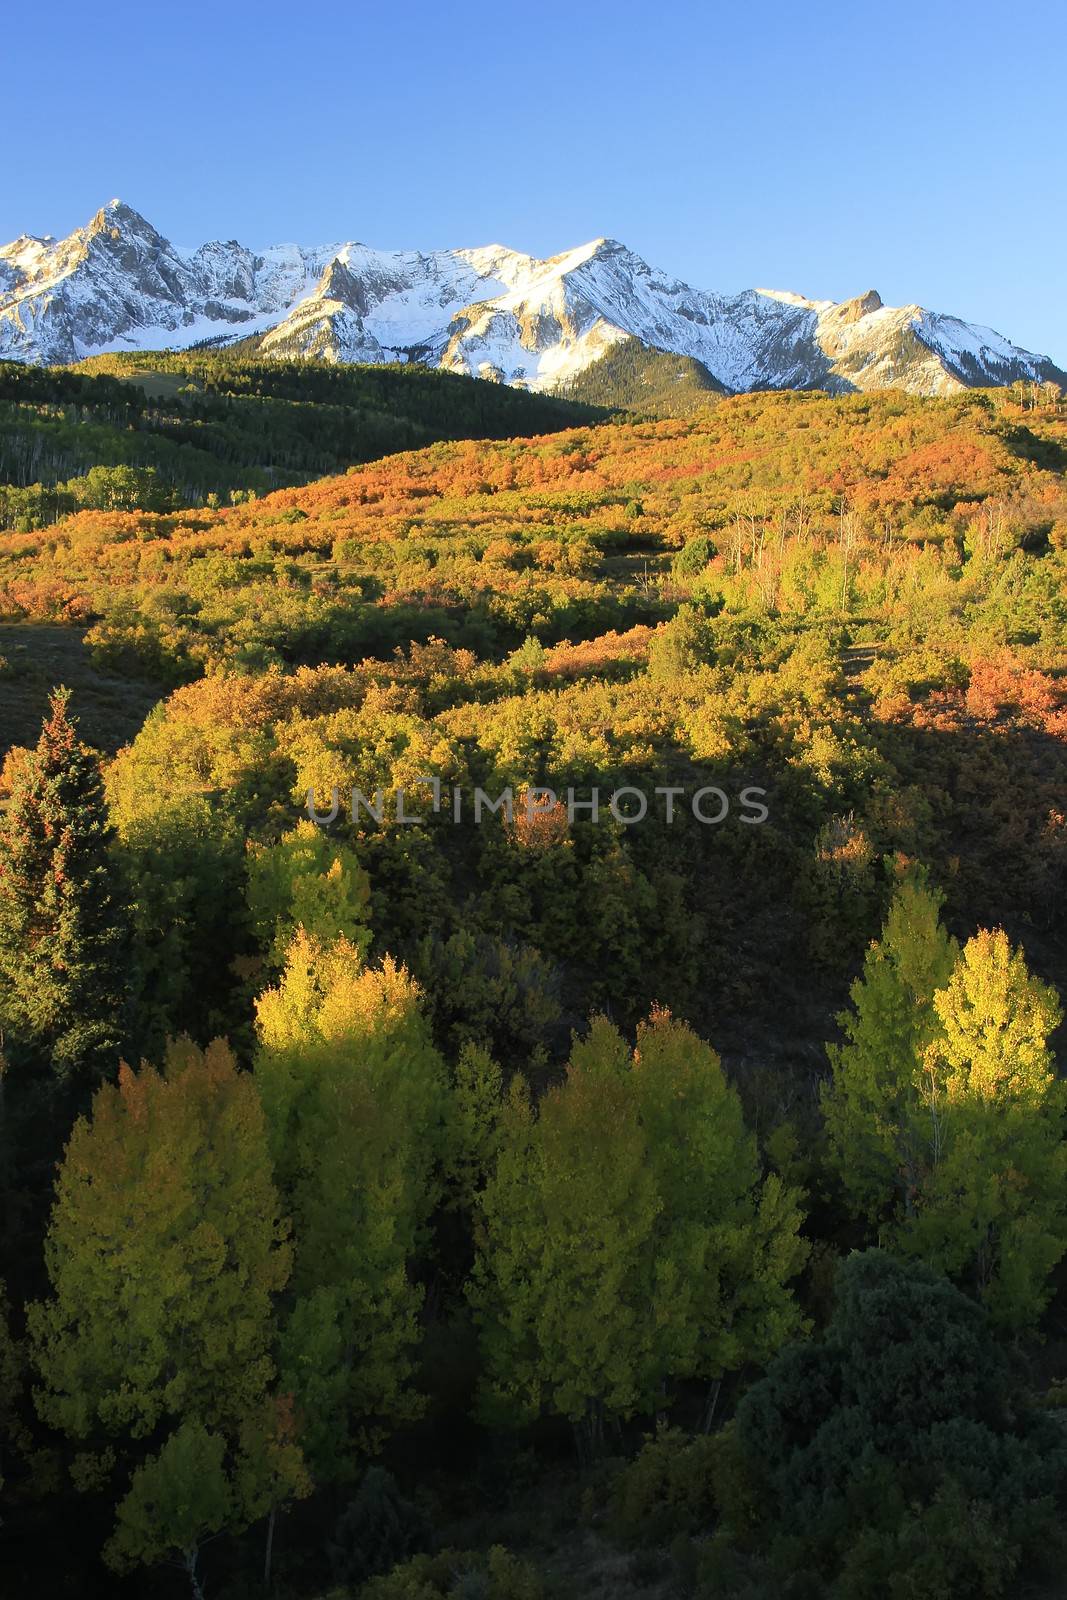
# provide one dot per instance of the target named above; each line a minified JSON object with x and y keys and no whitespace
{"x":35,"y":657}
{"x":1047,"y":453}
{"x":984,"y":808}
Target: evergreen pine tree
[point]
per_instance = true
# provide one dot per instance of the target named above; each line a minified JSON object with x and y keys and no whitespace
{"x":62,"y":911}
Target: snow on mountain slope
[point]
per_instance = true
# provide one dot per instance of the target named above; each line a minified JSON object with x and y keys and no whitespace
{"x":491,"y":312}
{"x":377,"y":305}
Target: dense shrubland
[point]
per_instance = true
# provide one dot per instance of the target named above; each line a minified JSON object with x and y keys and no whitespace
{"x":425,"y":1243}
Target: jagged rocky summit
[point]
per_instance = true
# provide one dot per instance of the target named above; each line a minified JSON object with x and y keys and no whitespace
{"x":117,"y":284}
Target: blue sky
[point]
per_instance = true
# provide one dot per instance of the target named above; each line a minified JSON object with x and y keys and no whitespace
{"x":827,"y":148}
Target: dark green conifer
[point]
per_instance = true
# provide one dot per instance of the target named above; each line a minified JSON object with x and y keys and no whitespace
{"x":62,"y":912}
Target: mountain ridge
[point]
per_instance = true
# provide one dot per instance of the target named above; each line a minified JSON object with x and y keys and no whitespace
{"x":488,"y":311}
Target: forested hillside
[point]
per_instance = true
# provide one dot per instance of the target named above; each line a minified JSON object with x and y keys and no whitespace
{"x":652,"y":1187}
{"x":162,"y":431}
{"x":654,"y":382}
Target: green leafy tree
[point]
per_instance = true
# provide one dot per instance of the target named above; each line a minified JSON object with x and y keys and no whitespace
{"x":121,"y":488}
{"x":563,"y":1279}
{"x":473,"y":1128}
{"x":682,"y":645}
{"x":269,"y":1468}
{"x":185,"y":865}
{"x":875,"y":1118}
{"x":727,"y":1241}
{"x":625,"y":1237}
{"x":355,"y":1097}
{"x":491,"y":990}
{"x":178,"y":1500}
{"x":307,"y":880}
{"x":945,"y":1115}
{"x":693,"y":557}
{"x":667,"y":1489}
{"x":493,"y":1574}
{"x":62,"y":911}
{"x":164,"y":1252}
{"x":992,"y":1209}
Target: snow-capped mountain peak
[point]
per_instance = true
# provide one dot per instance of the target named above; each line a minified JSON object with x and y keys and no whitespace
{"x":489,"y":311}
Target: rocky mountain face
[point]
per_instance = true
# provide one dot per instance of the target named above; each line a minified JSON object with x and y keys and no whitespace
{"x":117,"y":284}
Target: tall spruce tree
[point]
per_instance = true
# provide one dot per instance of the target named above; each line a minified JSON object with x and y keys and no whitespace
{"x":62,"y":912}
{"x":894,"y":1456}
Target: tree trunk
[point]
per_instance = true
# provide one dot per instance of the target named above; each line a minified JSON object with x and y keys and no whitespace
{"x":270,"y":1547}
{"x":589,"y":1433}
{"x":191,"y":1558}
{"x":711,"y":1404}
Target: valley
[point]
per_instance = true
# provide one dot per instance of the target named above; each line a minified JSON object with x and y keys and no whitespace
{"x":533,"y":1156}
